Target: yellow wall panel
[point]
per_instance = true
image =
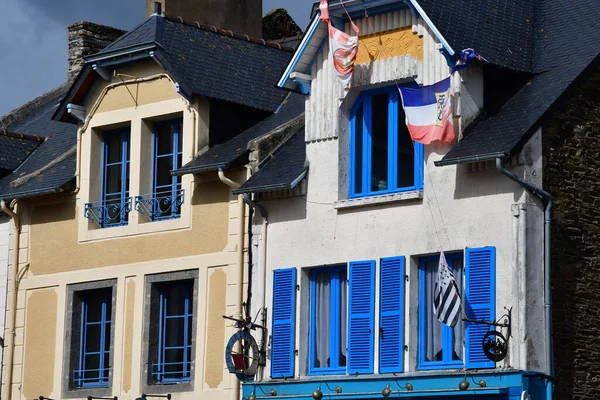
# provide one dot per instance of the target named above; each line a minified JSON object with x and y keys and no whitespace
{"x":390,"y":44}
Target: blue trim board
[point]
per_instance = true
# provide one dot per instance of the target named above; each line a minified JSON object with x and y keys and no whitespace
{"x":499,"y":385}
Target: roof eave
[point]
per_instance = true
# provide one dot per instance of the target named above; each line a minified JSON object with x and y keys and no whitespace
{"x":471,"y":159}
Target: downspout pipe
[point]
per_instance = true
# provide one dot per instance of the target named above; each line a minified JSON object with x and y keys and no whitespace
{"x":548,"y":202}
{"x":261,"y":272}
{"x":9,"y":339}
{"x":240,"y":252}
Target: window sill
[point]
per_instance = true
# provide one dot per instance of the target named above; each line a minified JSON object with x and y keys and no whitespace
{"x":378,"y":200}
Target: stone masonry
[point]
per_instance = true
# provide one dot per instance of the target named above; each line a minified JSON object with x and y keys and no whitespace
{"x":571,"y":140}
{"x":85,"y":39}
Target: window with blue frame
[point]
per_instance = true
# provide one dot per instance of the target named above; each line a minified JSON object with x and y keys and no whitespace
{"x":328,"y":320}
{"x":174,"y":309}
{"x":95,"y":338}
{"x":116,"y":204}
{"x":383,"y":157}
{"x":440,"y":346}
{"x":167,"y":195}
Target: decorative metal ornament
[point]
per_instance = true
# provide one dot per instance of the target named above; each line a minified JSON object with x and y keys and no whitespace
{"x":252,"y":396}
{"x":243,"y":364}
{"x":409,"y":386}
{"x":386,"y":391}
{"x":495,"y":346}
{"x":273,"y":392}
{"x":317,"y":394}
{"x":338,"y":389}
{"x":463,"y":385}
{"x":482,"y":383}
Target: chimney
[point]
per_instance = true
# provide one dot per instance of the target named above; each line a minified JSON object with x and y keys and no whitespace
{"x":85,"y":39}
{"x":243,"y":17}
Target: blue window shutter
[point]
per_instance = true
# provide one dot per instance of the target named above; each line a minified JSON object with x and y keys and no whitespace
{"x":284,"y":327}
{"x":480,"y":302}
{"x":391,"y":315}
{"x":361,"y":317}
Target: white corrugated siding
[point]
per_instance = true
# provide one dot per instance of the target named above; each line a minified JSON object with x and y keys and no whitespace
{"x":323,"y":104}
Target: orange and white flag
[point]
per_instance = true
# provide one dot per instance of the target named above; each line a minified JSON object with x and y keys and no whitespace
{"x":342,"y":47}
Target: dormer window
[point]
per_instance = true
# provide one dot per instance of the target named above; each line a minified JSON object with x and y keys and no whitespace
{"x":383,"y":157}
{"x":167,"y":195}
{"x":115,"y":204}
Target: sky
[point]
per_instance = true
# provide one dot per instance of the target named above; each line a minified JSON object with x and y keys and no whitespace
{"x":33,"y":38}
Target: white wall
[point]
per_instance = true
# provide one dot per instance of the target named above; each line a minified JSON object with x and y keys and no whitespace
{"x":4,"y":233}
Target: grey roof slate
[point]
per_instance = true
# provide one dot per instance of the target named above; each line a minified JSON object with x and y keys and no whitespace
{"x":499,"y":30}
{"x":215,"y":64}
{"x":287,"y":164}
{"x":565,"y":47}
{"x":60,"y":138}
{"x":15,"y":148}
{"x":235,"y":150}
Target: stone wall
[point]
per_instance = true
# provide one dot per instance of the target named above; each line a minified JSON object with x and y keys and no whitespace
{"x":572,"y":175}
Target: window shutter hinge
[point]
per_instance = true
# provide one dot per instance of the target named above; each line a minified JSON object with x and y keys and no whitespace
{"x":405,"y":347}
{"x":406,"y":278}
{"x":296,"y":351}
{"x":297,"y":288}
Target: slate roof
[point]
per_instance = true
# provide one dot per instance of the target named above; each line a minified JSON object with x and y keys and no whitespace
{"x":565,"y":45}
{"x":499,"y":30}
{"x":60,"y":138}
{"x":235,"y":150}
{"x":15,"y":148}
{"x":206,"y":62}
{"x":285,"y":169}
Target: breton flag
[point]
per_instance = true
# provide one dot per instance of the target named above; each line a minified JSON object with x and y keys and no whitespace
{"x":428,"y":111}
{"x":446,"y":297}
{"x":342,"y":47}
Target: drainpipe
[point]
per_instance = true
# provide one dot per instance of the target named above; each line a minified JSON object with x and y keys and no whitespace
{"x":261,"y":272}
{"x":240,"y":251}
{"x":547,"y":200}
{"x":9,"y":339}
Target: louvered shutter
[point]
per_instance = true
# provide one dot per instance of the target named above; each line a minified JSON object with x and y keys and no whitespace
{"x":391,"y":315}
{"x":480,"y":302}
{"x":284,"y":327}
{"x":361,"y":319}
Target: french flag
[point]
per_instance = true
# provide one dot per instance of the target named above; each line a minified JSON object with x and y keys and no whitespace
{"x":428,"y":111}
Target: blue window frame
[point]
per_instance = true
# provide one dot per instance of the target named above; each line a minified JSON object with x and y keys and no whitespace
{"x":383,"y":157}
{"x":328,"y":320}
{"x":94,"y":346}
{"x":440,"y":346}
{"x":167,"y":194}
{"x":116,"y":203}
{"x":174,"y":333}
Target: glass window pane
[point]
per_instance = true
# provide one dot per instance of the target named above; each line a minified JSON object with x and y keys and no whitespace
{"x":358,"y":150}
{"x":177,"y":293}
{"x":406,"y":153}
{"x":94,"y":307}
{"x":433,"y":327}
{"x":164,"y":165}
{"x":113,"y":179}
{"x":92,"y":339}
{"x":322,"y":320}
{"x":113,"y":147}
{"x":458,"y":332}
{"x":379,"y":143}
{"x":164,"y":139}
{"x":173,"y":363}
{"x":174,"y":332}
{"x":92,"y":362}
{"x":343,"y":317}
{"x":107,"y":337}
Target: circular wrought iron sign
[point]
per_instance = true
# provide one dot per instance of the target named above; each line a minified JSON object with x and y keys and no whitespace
{"x":495,"y":346}
{"x":242,"y":355}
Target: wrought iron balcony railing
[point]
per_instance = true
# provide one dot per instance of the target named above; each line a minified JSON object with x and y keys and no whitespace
{"x":109,"y":213}
{"x":162,"y":205}
{"x":171,"y":372}
{"x":91,"y":377}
